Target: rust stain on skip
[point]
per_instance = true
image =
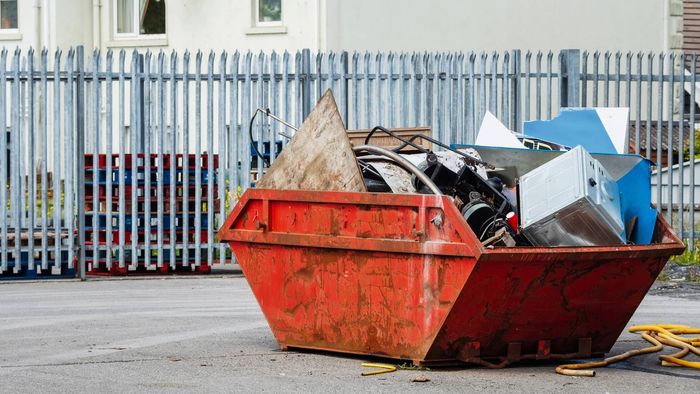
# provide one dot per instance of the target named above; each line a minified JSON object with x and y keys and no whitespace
{"x":369,"y":273}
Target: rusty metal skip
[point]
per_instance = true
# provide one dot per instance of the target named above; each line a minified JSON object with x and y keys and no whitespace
{"x":404,"y":277}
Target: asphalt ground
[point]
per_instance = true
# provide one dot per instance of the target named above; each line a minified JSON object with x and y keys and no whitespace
{"x":206,"y":334}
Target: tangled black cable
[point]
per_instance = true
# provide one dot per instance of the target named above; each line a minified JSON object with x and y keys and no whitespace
{"x":250,"y":133}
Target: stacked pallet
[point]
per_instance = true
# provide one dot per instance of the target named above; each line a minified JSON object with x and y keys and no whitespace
{"x":126,"y":206}
{"x":52,"y":263}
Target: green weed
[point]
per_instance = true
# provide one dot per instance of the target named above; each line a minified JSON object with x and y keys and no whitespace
{"x":688,"y":257}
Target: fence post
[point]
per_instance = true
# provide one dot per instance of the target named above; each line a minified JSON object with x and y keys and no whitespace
{"x":141,"y":105}
{"x":80,"y":153}
{"x":516,"y":92}
{"x":306,"y":101}
{"x":570,"y":74}
{"x":345,"y":81}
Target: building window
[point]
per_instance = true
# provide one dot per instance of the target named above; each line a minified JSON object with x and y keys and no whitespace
{"x":8,"y":14}
{"x":268,"y":12}
{"x":139,"y":18}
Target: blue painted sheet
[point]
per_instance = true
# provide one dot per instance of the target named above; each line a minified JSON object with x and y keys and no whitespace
{"x":635,"y":200}
{"x":572,"y":128}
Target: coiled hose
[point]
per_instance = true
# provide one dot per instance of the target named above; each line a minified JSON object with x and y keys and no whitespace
{"x":658,"y":335}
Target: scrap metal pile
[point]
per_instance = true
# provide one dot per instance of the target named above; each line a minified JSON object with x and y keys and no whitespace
{"x":488,"y":206}
{"x":509,"y":195}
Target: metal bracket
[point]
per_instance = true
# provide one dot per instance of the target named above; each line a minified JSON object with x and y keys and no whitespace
{"x":514,"y":351}
{"x":544,"y":349}
{"x":585,"y":346}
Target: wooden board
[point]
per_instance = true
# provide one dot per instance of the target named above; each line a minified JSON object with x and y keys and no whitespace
{"x":318,"y":157}
{"x":357,"y":137}
{"x":36,"y":236}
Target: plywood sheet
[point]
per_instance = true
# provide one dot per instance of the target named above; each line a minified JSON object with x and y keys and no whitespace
{"x":357,"y":137}
{"x":318,"y":157}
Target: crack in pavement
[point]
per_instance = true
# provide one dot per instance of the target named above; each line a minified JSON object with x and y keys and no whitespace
{"x":69,"y":363}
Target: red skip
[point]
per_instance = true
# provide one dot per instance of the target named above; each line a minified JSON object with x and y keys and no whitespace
{"x":403,"y":276}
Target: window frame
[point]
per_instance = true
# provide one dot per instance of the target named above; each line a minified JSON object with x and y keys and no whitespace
{"x":256,"y":16}
{"x":136,"y":23}
{"x":11,"y":30}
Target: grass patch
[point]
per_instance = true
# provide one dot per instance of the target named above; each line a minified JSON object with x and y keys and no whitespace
{"x":687,"y":266}
{"x":687,"y":258}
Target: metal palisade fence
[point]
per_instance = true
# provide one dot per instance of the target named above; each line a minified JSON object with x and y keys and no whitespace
{"x":119,"y":159}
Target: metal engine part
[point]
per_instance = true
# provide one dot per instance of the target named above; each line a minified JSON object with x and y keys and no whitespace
{"x":479,"y":216}
{"x":480,"y":200}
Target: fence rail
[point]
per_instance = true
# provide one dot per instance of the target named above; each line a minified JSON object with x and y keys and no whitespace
{"x":57,"y":108}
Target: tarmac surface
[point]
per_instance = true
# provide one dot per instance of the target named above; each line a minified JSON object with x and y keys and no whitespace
{"x":206,"y":334}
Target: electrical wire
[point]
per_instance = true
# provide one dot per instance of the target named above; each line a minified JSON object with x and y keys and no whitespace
{"x":407,"y":142}
{"x":400,"y":161}
{"x":250,"y":133}
{"x":267,"y":113}
{"x":390,"y":133}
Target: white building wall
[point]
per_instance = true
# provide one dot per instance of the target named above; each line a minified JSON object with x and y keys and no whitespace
{"x":72,"y":24}
{"x":451,"y":25}
{"x":222,"y":25}
{"x":406,"y":25}
{"x":29,"y":33}
{"x":50,"y":23}
{"x":191,"y":24}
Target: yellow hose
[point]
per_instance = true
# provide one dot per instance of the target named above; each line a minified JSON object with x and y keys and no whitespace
{"x":664,"y":329}
{"x":583,"y":369}
{"x":383,"y":368}
{"x":658,"y":335}
{"x":678,"y":355}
